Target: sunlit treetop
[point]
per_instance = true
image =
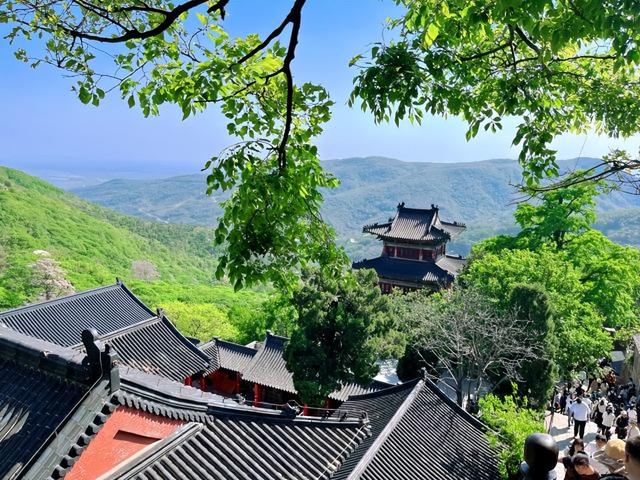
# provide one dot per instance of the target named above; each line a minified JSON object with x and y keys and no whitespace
{"x":557,"y":65}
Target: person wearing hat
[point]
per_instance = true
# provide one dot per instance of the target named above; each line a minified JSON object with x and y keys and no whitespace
{"x":612,"y":456}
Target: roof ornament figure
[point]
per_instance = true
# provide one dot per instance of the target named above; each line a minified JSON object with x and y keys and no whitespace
{"x":101,"y":358}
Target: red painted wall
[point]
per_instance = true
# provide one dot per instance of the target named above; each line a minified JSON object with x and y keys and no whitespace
{"x":126,"y":432}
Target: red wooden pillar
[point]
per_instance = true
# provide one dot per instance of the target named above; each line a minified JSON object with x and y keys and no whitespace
{"x":257,"y":395}
{"x":187,"y":381}
{"x":305,"y":410}
{"x":237,"y":387}
{"x":203,"y":384}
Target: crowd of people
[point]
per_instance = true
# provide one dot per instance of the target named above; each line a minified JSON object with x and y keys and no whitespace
{"x":614,"y":408}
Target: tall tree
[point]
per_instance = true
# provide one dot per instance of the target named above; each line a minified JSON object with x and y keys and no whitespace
{"x":579,"y":322}
{"x":468,"y":339}
{"x":343,"y":327}
{"x":560,"y":215}
{"x":537,"y":375}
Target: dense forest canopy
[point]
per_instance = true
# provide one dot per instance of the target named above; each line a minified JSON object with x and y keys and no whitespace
{"x":559,"y":66}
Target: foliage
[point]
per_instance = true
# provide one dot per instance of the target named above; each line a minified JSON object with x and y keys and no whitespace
{"x":561,"y":215}
{"x":512,"y":422}
{"x":579,"y":324}
{"x":201,"y":320}
{"x":467,"y":337}
{"x":163,"y":53}
{"x":336,"y":339}
{"x":558,"y":67}
{"x":93,"y":246}
{"x":539,"y":375}
{"x":591,"y":281}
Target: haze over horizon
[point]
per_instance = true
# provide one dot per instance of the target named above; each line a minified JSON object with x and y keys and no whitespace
{"x":44,"y":123}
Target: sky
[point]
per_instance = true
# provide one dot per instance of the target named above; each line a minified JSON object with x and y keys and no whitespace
{"x":43,"y":123}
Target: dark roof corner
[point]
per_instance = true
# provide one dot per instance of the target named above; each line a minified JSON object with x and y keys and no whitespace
{"x":118,"y":281}
{"x":101,"y":358}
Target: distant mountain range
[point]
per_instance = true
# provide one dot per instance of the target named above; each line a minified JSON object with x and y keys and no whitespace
{"x":480,"y":194}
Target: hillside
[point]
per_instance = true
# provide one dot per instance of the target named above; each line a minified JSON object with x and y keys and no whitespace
{"x":167,"y":265}
{"x":479,"y":194}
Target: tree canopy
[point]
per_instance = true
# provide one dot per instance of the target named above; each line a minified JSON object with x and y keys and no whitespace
{"x":344,"y":324}
{"x":591,"y":281}
{"x":463,"y":336}
{"x":558,"y":66}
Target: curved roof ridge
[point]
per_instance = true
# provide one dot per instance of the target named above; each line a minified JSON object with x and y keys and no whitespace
{"x":205,"y":405}
{"x":189,"y":344}
{"x":41,"y":354}
{"x":123,"y":331}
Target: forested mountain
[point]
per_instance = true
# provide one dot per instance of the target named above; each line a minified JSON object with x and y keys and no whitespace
{"x":480,"y":194}
{"x":47,"y":233}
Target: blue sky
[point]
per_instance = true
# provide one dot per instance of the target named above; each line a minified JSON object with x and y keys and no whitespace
{"x":42,"y":121}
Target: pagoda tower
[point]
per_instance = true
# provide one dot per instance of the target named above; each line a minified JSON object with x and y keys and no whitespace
{"x":414,"y":252}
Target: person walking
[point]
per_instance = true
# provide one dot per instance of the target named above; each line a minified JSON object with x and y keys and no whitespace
{"x":568,"y":412}
{"x":608,"y":418}
{"x":581,"y":414}
{"x":622,"y":423}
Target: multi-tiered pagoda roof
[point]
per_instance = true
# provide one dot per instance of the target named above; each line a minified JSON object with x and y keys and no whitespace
{"x":414,"y":252}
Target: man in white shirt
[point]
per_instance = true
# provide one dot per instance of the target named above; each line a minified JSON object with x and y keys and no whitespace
{"x":581,"y":414}
{"x":608,"y":417}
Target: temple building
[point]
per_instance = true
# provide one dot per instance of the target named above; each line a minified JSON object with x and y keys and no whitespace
{"x":414,"y":252}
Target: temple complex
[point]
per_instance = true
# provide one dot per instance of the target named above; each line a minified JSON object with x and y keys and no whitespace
{"x":414,"y":253}
{"x":95,"y":385}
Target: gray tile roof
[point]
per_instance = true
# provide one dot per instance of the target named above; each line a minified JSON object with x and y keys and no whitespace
{"x":48,"y":398}
{"x":33,"y":403}
{"x":352,"y":389}
{"x":453,"y":264}
{"x":405,"y":270}
{"x":224,"y":448}
{"x":155,"y":346}
{"x":380,"y":408}
{"x":428,"y":437}
{"x":231,"y":356}
{"x":416,"y":225}
{"x":141,"y":339}
{"x":264,"y":364}
{"x":268,"y":367}
{"x":60,"y":321}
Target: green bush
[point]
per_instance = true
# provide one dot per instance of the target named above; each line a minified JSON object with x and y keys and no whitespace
{"x":511,"y":423}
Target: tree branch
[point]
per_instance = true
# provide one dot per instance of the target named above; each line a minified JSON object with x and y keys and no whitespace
{"x":170,"y":17}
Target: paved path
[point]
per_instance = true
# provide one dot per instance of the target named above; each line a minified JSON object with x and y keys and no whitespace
{"x":564,"y":436}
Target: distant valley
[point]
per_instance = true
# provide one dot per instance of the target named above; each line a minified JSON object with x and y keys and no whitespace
{"x":480,"y":194}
